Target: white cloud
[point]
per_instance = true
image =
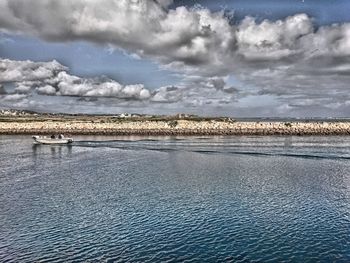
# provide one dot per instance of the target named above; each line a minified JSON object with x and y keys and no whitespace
{"x":46,"y":90}
{"x":13,"y":97}
{"x":281,"y":58}
{"x":69,"y":85}
{"x":54,"y":81}
{"x":193,"y":36}
{"x":51,"y":78}
{"x":272,"y":40}
{"x":168,"y":94}
{"x":23,"y":87}
{"x":14,"y":71}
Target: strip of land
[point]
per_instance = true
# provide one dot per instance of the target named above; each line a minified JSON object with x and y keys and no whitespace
{"x":162,"y":125}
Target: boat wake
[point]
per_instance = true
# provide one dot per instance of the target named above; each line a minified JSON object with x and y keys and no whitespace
{"x":225,"y":148}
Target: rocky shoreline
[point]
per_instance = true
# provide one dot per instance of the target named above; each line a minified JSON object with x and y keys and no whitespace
{"x":109,"y":126}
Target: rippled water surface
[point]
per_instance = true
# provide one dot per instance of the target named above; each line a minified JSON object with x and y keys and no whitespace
{"x":205,"y":199}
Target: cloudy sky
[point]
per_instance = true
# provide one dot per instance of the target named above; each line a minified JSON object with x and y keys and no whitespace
{"x":241,"y":58}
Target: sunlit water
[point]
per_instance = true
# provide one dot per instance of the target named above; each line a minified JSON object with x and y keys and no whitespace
{"x":213,"y":199}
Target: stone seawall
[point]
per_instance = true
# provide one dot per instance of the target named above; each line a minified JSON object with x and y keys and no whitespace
{"x":177,"y":127}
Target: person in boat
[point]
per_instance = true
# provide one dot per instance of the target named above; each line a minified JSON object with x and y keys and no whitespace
{"x":60,"y":136}
{"x":53,"y":136}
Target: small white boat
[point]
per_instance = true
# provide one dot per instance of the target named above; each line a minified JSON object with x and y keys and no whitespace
{"x":60,"y":139}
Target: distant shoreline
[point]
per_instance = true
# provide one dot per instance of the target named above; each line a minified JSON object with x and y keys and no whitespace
{"x":164,"y":125}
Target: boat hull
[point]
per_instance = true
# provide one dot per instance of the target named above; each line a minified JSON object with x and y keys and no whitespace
{"x":41,"y":140}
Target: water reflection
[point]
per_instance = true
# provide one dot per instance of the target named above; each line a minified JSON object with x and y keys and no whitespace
{"x":56,"y":151}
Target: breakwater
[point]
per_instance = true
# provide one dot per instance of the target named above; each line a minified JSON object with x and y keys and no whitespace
{"x":172,"y":127}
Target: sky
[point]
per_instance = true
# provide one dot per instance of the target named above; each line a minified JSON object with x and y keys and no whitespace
{"x":239,"y":58}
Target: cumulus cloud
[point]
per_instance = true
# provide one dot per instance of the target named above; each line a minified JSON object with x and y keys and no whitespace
{"x":46,"y":90}
{"x":290,"y":58}
{"x":272,"y":40}
{"x":19,"y":71}
{"x":57,"y":82}
{"x":69,"y":85}
{"x":147,"y":28}
{"x":167,"y":94}
{"x":51,"y":78}
{"x":23,"y":87}
{"x":192,"y":36}
{"x":13,"y":97}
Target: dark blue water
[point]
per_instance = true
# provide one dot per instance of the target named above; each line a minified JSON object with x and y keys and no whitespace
{"x":215,"y":199}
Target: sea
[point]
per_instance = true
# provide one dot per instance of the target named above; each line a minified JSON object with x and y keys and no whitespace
{"x":175,"y":199}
